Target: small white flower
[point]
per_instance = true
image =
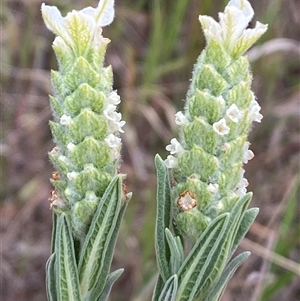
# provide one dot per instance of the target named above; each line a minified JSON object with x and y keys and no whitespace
{"x":241,"y":189}
{"x":248,"y":154}
{"x":111,"y":114}
{"x":114,"y":118}
{"x":72,"y":175}
{"x":221,"y":128}
{"x":225,"y":147}
{"x":65,"y":120}
{"x":175,"y":147}
{"x":233,"y":113}
{"x":213,"y":188}
{"x":180,"y":119}
{"x":171,"y":162}
{"x":112,"y":141}
{"x":221,"y":100}
{"x":70,"y":146}
{"x":116,"y":126}
{"x":254,"y":111}
{"x":114,"y":98}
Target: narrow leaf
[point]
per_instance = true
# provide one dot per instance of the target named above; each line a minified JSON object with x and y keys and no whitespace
{"x":221,"y":253}
{"x":54,"y":218}
{"x":109,"y":252}
{"x":245,"y":224}
{"x":50,"y":278}
{"x":67,"y":283}
{"x":158,"y":288}
{"x":219,"y":287}
{"x":170,"y":289}
{"x":98,"y":239}
{"x":162,"y":218}
{"x":111,"y":279}
{"x":176,"y":251}
{"x":193,"y":268}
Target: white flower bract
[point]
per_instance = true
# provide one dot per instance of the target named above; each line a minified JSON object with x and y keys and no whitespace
{"x":231,"y":30}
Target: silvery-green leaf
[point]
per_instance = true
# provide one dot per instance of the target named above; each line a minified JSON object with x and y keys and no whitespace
{"x":95,"y":256}
{"x":110,"y":247}
{"x":50,"y":278}
{"x":170,"y":288}
{"x":218,"y":289}
{"x":111,"y":279}
{"x":162,"y":218}
{"x":176,"y":251}
{"x":194,"y":267}
{"x":158,"y":288}
{"x":245,"y":224}
{"x":67,"y":284}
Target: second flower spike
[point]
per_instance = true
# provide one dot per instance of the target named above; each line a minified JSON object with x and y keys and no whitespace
{"x":206,"y":163}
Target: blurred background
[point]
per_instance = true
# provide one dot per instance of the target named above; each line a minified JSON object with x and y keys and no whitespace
{"x":154,"y":44}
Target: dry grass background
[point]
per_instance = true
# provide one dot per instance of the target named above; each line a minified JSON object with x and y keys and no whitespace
{"x":154,"y":45}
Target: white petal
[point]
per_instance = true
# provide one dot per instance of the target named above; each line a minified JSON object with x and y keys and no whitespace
{"x":213,"y":188}
{"x":171,"y":162}
{"x":244,"y":6}
{"x":211,"y":28}
{"x":72,"y":175}
{"x":55,"y":22}
{"x":105,"y":12}
{"x":254,"y":111}
{"x":249,"y":37}
{"x":241,"y":189}
{"x":65,"y":120}
{"x":175,"y":147}
{"x":248,"y":154}
{"x":70,"y":146}
{"x":114,"y":98}
{"x":116,"y":126}
{"x":112,"y":141}
{"x":233,"y":23}
{"x":233,"y":113}
{"x":221,"y":128}
{"x":180,"y":119}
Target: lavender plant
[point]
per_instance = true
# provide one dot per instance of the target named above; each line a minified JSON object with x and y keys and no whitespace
{"x":201,"y":197}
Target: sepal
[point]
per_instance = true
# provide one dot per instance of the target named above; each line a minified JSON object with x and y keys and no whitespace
{"x":209,"y":79}
{"x":84,"y":97}
{"x":199,"y":162}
